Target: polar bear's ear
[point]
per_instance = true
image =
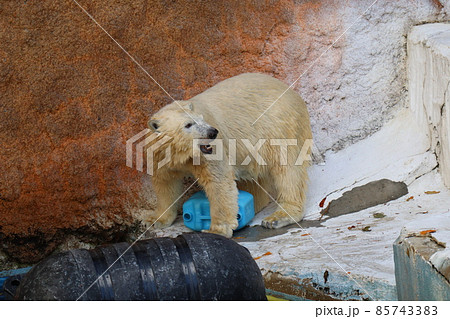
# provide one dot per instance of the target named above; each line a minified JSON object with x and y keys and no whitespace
{"x":189,"y":106}
{"x":153,"y":125}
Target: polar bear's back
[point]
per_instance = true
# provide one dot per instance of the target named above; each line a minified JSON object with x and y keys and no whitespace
{"x":233,"y":106}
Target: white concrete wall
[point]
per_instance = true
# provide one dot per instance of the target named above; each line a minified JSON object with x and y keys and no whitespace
{"x":354,"y":88}
{"x":429,"y":87}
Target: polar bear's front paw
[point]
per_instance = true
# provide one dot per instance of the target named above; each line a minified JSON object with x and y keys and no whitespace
{"x":157,"y":222}
{"x":277,"y":220}
{"x":223,"y":230}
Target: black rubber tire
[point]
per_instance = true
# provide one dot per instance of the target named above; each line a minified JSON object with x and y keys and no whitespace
{"x":193,"y":266}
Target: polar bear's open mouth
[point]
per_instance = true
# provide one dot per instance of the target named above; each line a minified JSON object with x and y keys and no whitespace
{"x":206,"y":149}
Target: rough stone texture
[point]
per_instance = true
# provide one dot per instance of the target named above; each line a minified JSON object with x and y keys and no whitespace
{"x":358,"y":84}
{"x":70,"y":98}
{"x":429,"y":82}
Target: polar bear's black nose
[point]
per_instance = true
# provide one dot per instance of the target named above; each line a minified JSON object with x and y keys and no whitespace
{"x":212,"y":133}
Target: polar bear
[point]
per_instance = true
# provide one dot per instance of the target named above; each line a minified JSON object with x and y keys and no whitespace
{"x":262,"y":126}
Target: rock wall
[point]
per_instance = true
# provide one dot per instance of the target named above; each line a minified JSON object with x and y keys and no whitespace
{"x":429,"y":83}
{"x":70,"y":97}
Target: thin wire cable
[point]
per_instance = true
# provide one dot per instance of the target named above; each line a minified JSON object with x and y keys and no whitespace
{"x":132,"y":58}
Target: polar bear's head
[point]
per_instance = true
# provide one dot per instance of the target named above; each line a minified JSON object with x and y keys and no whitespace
{"x":184,"y":126}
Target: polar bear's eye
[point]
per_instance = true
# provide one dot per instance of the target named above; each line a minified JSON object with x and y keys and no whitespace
{"x":188,"y":125}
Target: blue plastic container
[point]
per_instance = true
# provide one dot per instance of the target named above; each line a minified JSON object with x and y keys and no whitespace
{"x":196,"y":211}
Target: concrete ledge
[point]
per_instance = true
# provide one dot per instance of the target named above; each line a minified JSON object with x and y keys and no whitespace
{"x":422,"y":261}
{"x":429,"y":87}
